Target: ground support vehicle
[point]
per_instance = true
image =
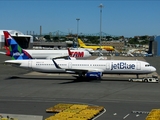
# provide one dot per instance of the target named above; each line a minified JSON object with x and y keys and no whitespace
{"x":145,"y":79}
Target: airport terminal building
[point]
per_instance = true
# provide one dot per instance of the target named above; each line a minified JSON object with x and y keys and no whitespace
{"x":157,"y":45}
{"x":25,"y":41}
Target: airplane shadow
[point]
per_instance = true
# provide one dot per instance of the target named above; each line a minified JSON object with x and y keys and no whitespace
{"x":36,"y":78}
{"x":84,"y":80}
{"x":69,"y":79}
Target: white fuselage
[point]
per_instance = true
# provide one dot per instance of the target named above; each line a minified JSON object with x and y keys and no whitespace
{"x":44,"y":54}
{"x":104,"y":66}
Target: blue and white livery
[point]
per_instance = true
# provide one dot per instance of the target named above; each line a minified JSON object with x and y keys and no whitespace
{"x":87,"y":68}
{"x":97,"y":68}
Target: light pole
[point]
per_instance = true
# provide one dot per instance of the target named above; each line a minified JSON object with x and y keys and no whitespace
{"x":100,"y":6}
{"x":77,"y":30}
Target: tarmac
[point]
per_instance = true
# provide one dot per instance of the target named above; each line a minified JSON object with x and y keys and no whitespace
{"x":25,"y":93}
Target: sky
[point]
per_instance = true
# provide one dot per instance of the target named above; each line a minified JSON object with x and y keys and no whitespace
{"x":126,"y":18}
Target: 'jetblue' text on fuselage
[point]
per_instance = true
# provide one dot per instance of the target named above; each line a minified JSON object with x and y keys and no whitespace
{"x":18,"y":54}
{"x":122,"y":65}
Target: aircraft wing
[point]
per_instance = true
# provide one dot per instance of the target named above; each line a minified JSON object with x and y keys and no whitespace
{"x":60,"y":57}
{"x":55,"y":57}
{"x":77,"y":70}
{"x":83,"y":70}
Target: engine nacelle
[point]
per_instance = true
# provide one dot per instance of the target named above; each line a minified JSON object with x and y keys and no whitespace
{"x":94,"y":74}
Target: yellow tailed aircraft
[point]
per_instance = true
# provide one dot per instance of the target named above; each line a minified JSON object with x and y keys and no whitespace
{"x":82,"y":45}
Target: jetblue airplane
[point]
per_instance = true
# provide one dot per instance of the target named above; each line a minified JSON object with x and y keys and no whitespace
{"x":85,"y":68}
{"x":14,"y":50}
{"x":92,"y":68}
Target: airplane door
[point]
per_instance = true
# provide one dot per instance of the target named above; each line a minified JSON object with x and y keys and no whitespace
{"x":138,"y":66}
{"x":108,"y":66}
{"x":69,"y":65}
{"x":29,"y":64}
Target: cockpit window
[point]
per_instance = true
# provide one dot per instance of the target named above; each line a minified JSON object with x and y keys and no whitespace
{"x":147,"y":65}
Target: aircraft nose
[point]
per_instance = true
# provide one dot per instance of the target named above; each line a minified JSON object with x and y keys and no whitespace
{"x":153,"y":69}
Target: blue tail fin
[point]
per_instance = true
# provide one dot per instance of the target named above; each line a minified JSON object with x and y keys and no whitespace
{"x":16,"y":52}
{"x":74,"y":44}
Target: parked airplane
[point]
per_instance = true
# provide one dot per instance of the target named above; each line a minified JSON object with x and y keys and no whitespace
{"x":138,"y":51}
{"x":85,"y":68}
{"x":97,"y":68}
{"x":75,"y":47}
{"x":82,"y":45}
{"x":15,"y":50}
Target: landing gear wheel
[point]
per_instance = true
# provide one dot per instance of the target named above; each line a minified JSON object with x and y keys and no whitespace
{"x":145,"y":80}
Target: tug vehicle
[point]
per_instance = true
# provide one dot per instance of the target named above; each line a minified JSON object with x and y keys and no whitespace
{"x":154,"y":78}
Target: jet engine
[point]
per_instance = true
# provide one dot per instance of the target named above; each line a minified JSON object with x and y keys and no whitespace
{"x":96,"y":75}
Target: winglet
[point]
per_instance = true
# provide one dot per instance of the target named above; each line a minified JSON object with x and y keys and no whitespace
{"x":57,"y":66}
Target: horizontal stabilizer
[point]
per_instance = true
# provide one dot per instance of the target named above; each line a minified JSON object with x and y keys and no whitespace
{"x":3,"y":53}
{"x":12,"y":63}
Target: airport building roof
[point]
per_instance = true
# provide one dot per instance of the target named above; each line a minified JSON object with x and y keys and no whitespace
{"x":15,"y":33}
{"x":12,"y":32}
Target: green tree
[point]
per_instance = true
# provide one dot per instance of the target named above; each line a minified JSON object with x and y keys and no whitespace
{"x":133,"y":40}
{"x":47,"y":37}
